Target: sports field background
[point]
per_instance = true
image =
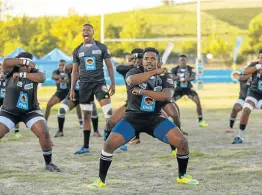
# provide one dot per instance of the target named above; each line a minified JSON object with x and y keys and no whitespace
{"x":147,"y":168}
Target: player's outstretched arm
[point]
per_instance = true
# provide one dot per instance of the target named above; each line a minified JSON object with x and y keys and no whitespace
{"x":165,"y":95}
{"x":251,"y":69}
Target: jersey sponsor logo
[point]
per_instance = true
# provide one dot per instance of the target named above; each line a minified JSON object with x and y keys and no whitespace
{"x":22,"y":101}
{"x":28,"y":86}
{"x":2,"y":93}
{"x":63,"y":85}
{"x":104,"y":88}
{"x":170,"y":81}
{"x":81,"y":54}
{"x":19,"y":84}
{"x":90,"y":63}
{"x":147,"y":104}
{"x":184,"y":84}
{"x":97,"y":52}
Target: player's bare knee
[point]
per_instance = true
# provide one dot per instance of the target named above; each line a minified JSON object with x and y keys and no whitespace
{"x":237,"y":108}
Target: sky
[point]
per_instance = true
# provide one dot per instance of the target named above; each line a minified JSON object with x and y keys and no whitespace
{"x":91,"y":7}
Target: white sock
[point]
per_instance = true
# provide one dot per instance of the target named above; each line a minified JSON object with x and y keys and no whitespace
{"x":241,"y":134}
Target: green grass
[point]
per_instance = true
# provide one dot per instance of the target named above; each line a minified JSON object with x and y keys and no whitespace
{"x":146,"y":168}
{"x":239,"y":17}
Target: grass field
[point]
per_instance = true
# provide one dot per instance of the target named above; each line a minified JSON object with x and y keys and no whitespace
{"x":147,"y":168}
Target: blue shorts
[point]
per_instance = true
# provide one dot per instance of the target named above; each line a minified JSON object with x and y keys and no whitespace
{"x":155,"y":126}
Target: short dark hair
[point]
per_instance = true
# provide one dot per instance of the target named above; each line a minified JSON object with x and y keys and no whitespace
{"x":62,"y":61}
{"x":260,"y":51}
{"x":151,"y":49}
{"x":183,"y":56}
{"x":137,"y":50}
{"x":88,"y":25}
{"x":25,"y":54}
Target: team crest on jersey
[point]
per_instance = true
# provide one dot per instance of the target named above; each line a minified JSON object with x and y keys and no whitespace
{"x":104,"y":88}
{"x":147,"y":104}
{"x":28,"y":86}
{"x":2,"y":93}
{"x":22,"y":102}
{"x":19,"y":84}
{"x":81,"y":54}
{"x":90,"y":63}
{"x":97,"y":52}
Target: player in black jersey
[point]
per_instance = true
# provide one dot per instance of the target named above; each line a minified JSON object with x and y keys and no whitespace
{"x":62,"y":79}
{"x":88,"y":66}
{"x":2,"y":96}
{"x":244,"y":82}
{"x":146,"y":90}
{"x":184,"y":74}
{"x":21,"y":104}
{"x":254,"y":96}
{"x":67,"y":104}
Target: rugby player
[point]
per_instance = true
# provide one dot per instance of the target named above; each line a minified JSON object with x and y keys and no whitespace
{"x":146,"y":90}
{"x":21,"y":104}
{"x":183,"y":75}
{"x":254,"y":96}
{"x":88,"y":60}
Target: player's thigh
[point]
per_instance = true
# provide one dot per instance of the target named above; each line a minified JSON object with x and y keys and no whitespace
{"x":171,"y":110}
{"x":53,"y":100}
{"x":125,"y":130}
{"x":118,"y":115}
{"x":7,"y":121}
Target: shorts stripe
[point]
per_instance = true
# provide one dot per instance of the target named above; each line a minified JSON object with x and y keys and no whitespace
{"x":7,"y":122}
{"x":163,"y":128}
{"x":32,"y":121}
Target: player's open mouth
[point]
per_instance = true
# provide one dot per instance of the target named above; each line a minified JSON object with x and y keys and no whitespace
{"x":86,"y":36}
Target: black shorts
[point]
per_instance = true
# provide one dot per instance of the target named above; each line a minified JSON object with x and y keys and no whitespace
{"x":61,"y":94}
{"x":180,"y":92}
{"x":255,"y":95}
{"x":76,"y":102}
{"x":144,"y":124}
{"x":87,"y":91}
{"x":10,"y":120}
